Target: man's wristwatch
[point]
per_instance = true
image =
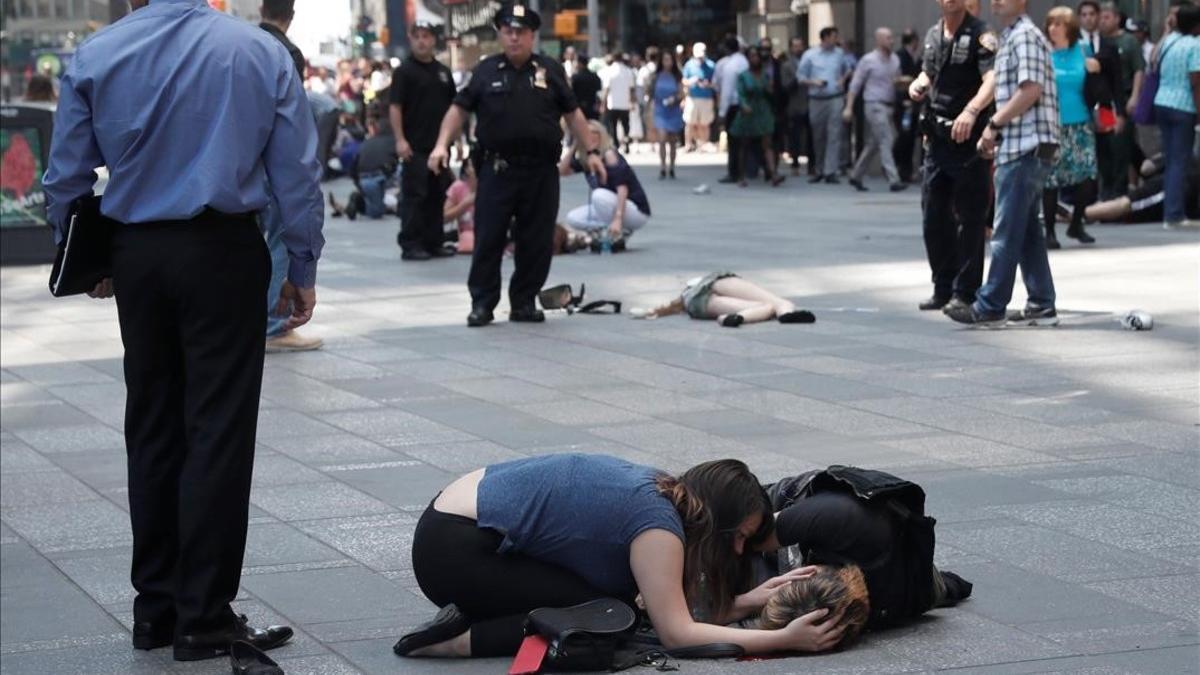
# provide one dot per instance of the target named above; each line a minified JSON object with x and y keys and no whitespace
{"x":993,"y":126}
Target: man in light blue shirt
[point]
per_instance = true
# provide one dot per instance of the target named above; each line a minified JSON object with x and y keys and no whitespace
{"x":823,"y":70}
{"x":699,"y":108}
{"x":199,"y":118}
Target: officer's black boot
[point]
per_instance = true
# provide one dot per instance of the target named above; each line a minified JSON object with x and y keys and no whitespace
{"x":480,"y":316}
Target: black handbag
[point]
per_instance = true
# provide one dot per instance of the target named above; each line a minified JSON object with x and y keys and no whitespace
{"x":599,"y":636}
{"x":580,"y":638}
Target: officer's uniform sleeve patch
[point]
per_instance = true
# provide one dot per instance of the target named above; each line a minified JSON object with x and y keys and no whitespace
{"x":988,"y":41}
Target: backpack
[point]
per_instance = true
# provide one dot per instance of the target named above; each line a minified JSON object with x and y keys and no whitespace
{"x":902,"y":590}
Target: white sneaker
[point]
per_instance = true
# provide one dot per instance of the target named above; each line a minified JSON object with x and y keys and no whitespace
{"x":1186,"y":224}
{"x":291,"y":341}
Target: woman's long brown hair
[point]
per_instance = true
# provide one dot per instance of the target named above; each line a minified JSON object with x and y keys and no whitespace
{"x":713,"y":499}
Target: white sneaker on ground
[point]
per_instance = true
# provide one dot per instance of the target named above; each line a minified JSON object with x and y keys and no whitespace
{"x":291,"y":341}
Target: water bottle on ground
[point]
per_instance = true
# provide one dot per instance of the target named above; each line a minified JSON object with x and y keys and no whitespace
{"x":1137,"y":320}
{"x":606,"y":242}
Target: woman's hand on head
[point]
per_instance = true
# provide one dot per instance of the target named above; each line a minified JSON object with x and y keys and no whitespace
{"x":814,"y":632}
{"x":759,"y":596}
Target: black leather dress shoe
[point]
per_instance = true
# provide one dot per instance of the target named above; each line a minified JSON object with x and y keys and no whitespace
{"x":415,"y":254}
{"x":935,"y":302}
{"x":527,"y":314}
{"x":153,"y":634}
{"x":480,"y":317}
{"x":246,"y":659}
{"x":449,"y":623}
{"x":442,"y":252}
{"x":200,"y":646}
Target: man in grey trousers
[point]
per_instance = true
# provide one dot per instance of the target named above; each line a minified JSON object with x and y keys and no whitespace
{"x":875,"y":79}
{"x":822,"y":70}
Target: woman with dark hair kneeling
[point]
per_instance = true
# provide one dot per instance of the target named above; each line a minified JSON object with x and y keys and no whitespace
{"x":561,"y":530}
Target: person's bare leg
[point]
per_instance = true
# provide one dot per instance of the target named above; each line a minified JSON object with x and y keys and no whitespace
{"x":1109,"y":211}
{"x":662,"y":157}
{"x":751,"y":312}
{"x":674,"y":146}
{"x":454,"y":648}
{"x":736,"y":287}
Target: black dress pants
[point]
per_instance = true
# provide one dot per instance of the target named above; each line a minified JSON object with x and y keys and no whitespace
{"x":456,"y":561}
{"x":956,"y":201}
{"x":190,"y":301}
{"x":523,"y":198}
{"x":422,"y":204}
{"x":733,"y":164}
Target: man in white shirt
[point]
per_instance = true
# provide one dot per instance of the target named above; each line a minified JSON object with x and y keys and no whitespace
{"x":725,"y":76}
{"x":619,"y":81}
{"x":875,"y":80}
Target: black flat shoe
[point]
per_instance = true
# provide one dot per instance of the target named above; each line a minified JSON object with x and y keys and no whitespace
{"x":815,"y":178}
{"x":448,"y":624}
{"x":1081,"y":236}
{"x":671,"y":174}
{"x":442,"y":252}
{"x":526,"y":314}
{"x":733,"y":320}
{"x":200,"y":646}
{"x":149,"y":635}
{"x":416,"y":254}
{"x":480,"y":317}
{"x":1052,"y":242}
{"x":858,"y":185}
{"x":797,"y":316}
{"x":246,"y":659}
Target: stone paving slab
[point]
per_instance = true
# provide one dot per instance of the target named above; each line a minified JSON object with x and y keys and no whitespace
{"x":1063,"y":465}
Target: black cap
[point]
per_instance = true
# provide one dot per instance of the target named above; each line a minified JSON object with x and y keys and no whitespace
{"x":518,"y":15}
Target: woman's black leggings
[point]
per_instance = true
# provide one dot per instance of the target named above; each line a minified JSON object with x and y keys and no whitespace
{"x":1084,"y":195}
{"x":456,"y":561}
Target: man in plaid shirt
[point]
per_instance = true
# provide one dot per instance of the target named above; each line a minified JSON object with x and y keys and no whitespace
{"x":1023,"y":138}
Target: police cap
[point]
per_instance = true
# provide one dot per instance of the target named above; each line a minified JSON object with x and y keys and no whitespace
{"x":517,"y":15}
{"x":425,"y":25}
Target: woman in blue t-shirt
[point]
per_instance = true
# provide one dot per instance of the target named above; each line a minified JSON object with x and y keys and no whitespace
{"x":1076,"y":166}
{"x":1178,"y":58}
{"x":668,"y":111}
{"x":617,"y":207}
{"x":560,"y":530}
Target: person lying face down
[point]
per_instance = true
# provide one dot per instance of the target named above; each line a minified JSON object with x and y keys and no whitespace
{"x":841,"y":590}
{"x":887,"y":542}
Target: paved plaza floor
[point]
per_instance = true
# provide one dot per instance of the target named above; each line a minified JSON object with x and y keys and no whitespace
{"x":1062,"y":464}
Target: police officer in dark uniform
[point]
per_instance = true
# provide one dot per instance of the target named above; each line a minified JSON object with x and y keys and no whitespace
{"x":958,"y":86}
{"x":422,"y":90}
{"x":519,"y":99}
